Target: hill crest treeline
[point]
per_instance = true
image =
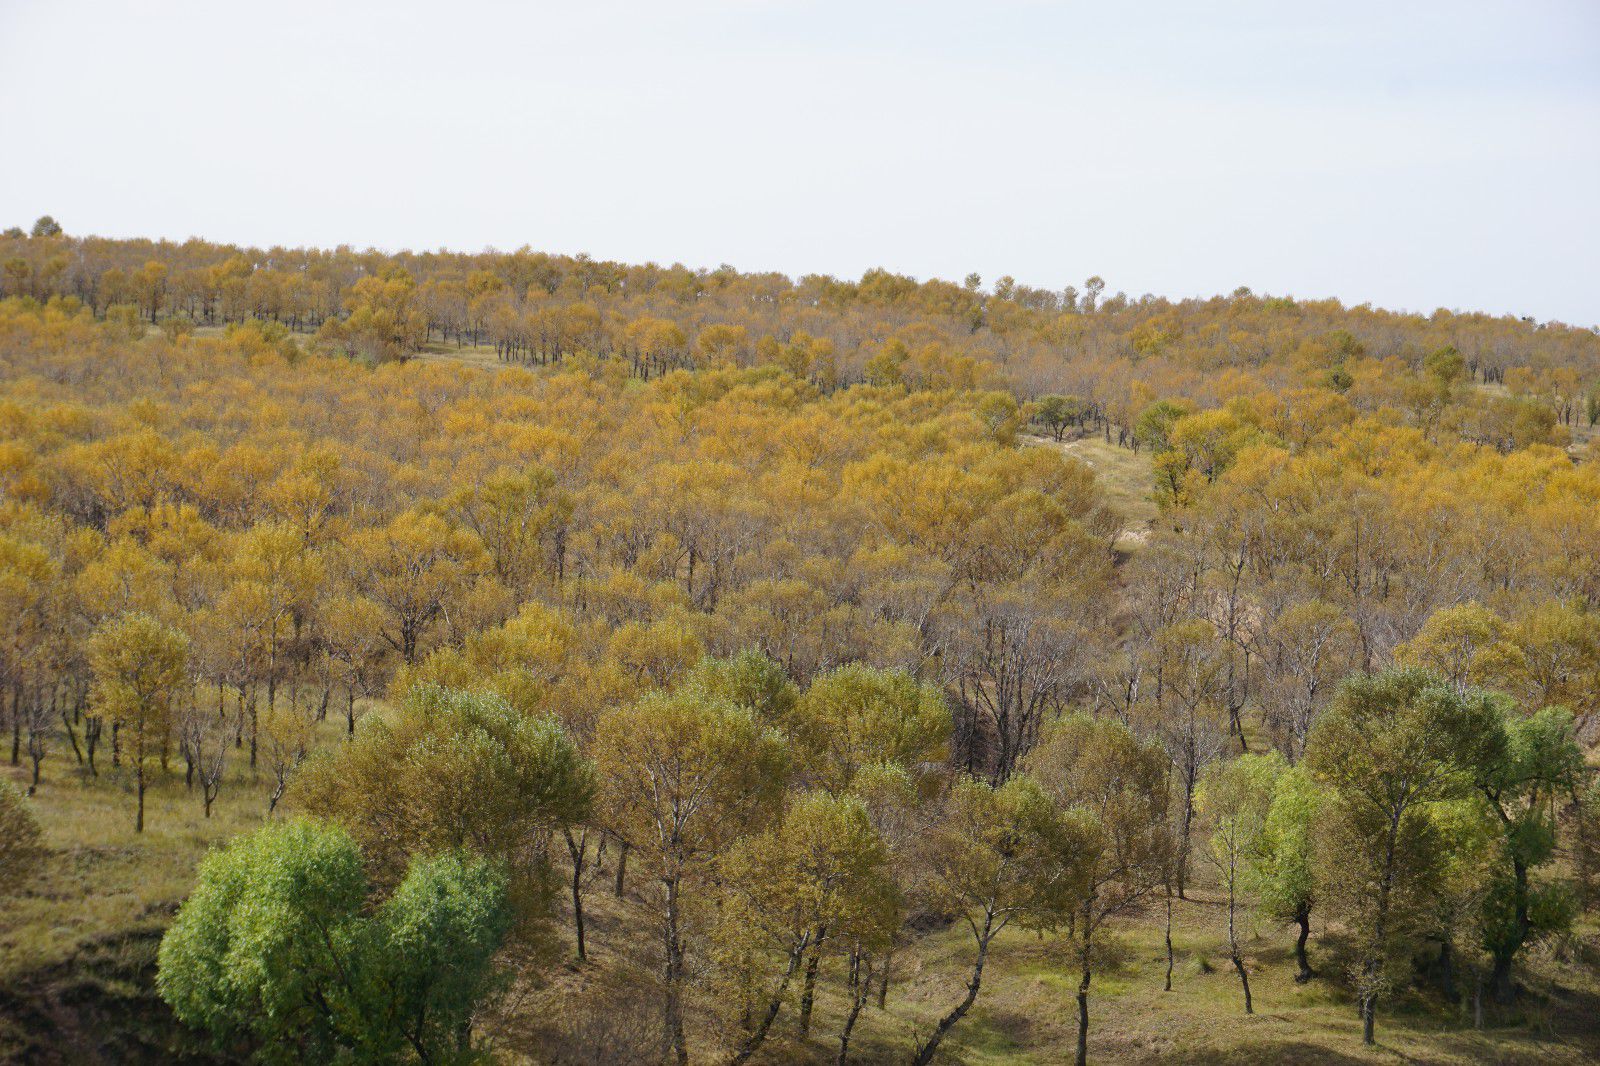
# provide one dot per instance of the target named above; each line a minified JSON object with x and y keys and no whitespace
{"x":1114,"y":352}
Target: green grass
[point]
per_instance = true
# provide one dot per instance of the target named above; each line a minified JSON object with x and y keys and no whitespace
{"x":1027,"y":1009}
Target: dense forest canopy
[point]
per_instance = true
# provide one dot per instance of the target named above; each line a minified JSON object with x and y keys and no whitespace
{"x":448,"y":561}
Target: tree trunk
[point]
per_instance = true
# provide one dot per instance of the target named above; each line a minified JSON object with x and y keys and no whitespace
{"x":1083,"y":1006}
{"x":926,"y":1052}
{"x":1372,"y":965}
{"x":16,"y":725}
{"x":759,"y":1032}
{"x":72,"y":734}
{"x":808,"y":991}
{"x":1188,"y":824}
{"x":1501,"y":988}
{"x":675,"y":1049}
{"x":1369,"y":1004}
{"x":860,"y":992}
{"x":577,"y":848}
{"x":1302,"y":918}
{"x":1233,"y":943}
{"x":1447,"y":972}
{"x":1244,"y":979}
{"x":1168,"y":986}
{"x":92,"y":727}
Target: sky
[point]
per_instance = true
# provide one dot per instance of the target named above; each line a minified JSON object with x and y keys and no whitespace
{"x":1410,"y":154}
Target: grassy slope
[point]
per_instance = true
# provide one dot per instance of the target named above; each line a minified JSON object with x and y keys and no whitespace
{"x":1123,"y":475}
{"x":77,"y":947}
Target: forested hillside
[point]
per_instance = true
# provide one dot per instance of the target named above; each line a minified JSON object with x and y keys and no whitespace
{"x":569,"y":661}
{"x":1114,"y":352}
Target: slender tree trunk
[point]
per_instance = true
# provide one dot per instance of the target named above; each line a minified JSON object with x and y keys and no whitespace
{"x":1447,"y":972}
{"x":1086,"y":964}
{"x":1372,"y":965}
{"x":1302,"y":918}
{"x":622,"y":865}
{"x":1233,"y":939}
{"x":72,"y":734}
{"x":860,"y":992}
{"x":1168,"y":986}
{"x":926,"y":1052}
{"x":808,"y":992}
{"x":675,"y":1049}
{"x":16,"y":724}
{"x":1188,"y":824}
{"x":758,"y":1033}
{"x":92,"y":727}
{"x":577,"y":848}
{"x":1369,"y":1004}
{"x":1083,"y":1017}
{"x":1244,"y":980}
{"x":1501,"y":987}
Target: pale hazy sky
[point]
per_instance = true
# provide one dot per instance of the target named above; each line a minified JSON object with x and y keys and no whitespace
{"x":1411,"y":154}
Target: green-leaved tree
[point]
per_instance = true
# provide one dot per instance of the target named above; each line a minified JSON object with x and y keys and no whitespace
{"x":1389,"y":748}
{"x":278,"y":951}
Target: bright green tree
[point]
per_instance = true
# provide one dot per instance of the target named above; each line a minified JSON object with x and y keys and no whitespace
{"x":1389,"y":748}
{"x":451,"y":770}
{"x":1538,"y":765}
{"x":857,"y":716}
{"x":1235,"y":797}
{"x":1281,"y":874}
{"x":277,"y":950}
{"x":751,"y":680}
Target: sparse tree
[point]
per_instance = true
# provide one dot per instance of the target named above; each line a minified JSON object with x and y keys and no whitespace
{"x":1098,"y":767}
{"x":1004,"y":855}
{"x":683,"y":775}
{"x":139,"y":665}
